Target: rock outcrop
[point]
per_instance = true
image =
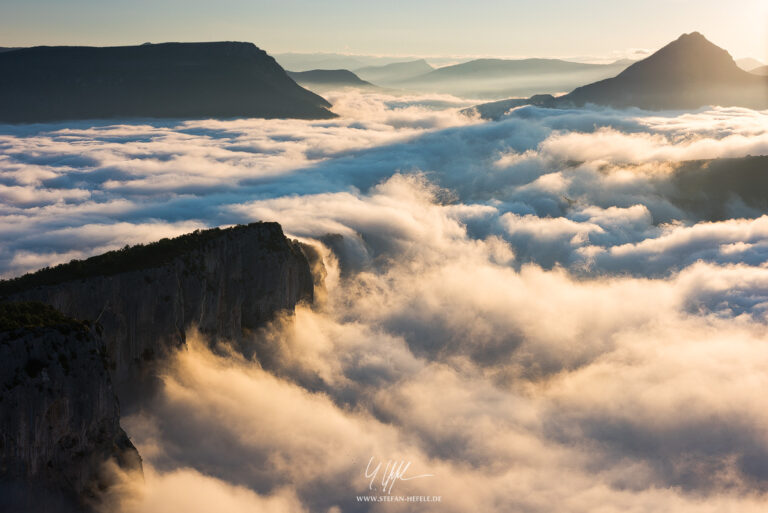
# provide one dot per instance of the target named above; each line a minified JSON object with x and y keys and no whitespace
{"x":59,"y":416}
{"x":223,"y":281}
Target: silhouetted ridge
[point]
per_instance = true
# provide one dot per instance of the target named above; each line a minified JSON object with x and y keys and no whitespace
{"x":169,"y":80}
{"x":138,"y":257}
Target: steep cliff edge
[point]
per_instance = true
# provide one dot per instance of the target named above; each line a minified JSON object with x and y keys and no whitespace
{"x":224,"y":281}
{"x":59,"y":416}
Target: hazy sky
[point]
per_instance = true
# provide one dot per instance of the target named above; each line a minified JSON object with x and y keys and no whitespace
{"x":564,"y":28}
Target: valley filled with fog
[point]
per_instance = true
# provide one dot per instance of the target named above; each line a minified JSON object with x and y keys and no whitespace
{"x":560,"y":310}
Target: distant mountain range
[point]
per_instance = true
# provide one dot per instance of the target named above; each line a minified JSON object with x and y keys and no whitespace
{"x":762,"y":70}
{"x":169,"y":80}
{"x":309,"y":61}
{"x":500,"y":78}
{"x":748,"y":63}
{"x":396,"y":72}
{"x":688,"y":73}
{"x":320,"y":79}
{"x":478,"y":78}
{"x":295,"y":61}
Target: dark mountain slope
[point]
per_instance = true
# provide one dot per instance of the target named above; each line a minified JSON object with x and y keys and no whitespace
{"x":688,"y":73}
{"x":170,"y":80}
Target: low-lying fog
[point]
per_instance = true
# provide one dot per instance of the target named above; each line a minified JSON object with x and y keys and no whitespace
{"x":532,"y":310}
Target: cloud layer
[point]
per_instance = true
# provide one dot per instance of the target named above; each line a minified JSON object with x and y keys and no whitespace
{"x":561,"y":310}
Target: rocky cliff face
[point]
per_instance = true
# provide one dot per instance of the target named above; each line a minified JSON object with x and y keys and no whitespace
{"x":224,"y":282}
{"x":59,"y":416}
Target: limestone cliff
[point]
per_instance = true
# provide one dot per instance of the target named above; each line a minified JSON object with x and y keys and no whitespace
{"x":59,"y":417}
{"x":224,"y":281}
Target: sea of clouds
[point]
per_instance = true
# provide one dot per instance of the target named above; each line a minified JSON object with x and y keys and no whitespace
{"x":558,"y":311}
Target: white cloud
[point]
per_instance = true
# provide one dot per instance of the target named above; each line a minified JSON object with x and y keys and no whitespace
{"x":536,"y":311}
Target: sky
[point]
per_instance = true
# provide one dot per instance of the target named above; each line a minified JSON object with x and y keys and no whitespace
{"x":522,"y":28}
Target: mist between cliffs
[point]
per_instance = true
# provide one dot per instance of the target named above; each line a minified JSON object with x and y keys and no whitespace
{"x":562,"y":308}
{"x":627,"y":393}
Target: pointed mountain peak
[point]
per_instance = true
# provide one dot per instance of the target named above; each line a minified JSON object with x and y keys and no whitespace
{"x":693,"y":36}
{"x":687,"y":73}
{"x":689,"y":56}
{"x":695,"y":42}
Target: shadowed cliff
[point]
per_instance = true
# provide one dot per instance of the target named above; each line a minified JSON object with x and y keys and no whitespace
{"x":223,"y":281}
{"x":169,"y":80}
{"x":59,"y":416}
